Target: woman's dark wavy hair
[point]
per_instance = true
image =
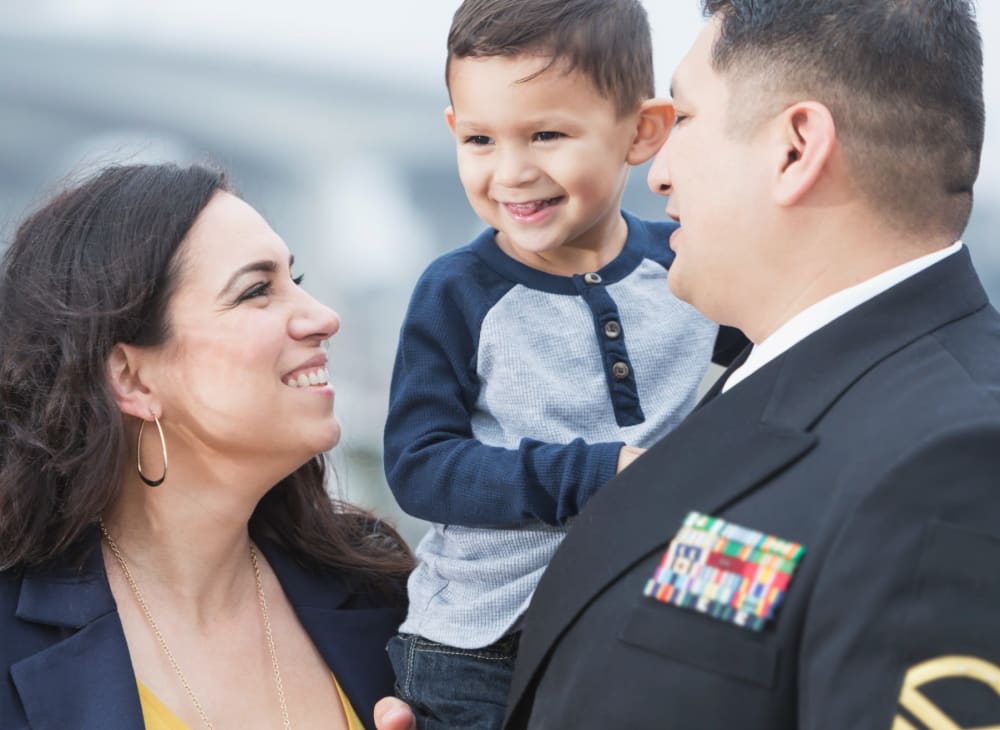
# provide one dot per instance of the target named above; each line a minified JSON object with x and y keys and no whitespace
{"x":94,"y":267}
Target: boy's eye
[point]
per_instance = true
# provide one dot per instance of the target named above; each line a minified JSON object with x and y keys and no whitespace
{"x":478,"y":139}
{"x":547,"y":136}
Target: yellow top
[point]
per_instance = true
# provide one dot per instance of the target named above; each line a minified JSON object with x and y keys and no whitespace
{"x":157,"y":716}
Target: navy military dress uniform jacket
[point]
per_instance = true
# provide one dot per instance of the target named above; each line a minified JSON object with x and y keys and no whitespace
{"x":66,"y":665}
{"x":875,"y":444}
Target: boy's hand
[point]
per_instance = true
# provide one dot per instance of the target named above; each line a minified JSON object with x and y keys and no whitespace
{"x":394,"y":714}
{"x":627,"y":455}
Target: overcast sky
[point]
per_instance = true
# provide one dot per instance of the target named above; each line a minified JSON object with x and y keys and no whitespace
{"x":401,"y":39}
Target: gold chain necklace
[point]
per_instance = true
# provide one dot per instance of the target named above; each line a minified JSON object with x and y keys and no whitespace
{"x":166,"y":650}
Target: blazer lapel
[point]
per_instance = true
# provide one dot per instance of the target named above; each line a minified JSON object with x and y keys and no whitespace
{"x":85,"y":680}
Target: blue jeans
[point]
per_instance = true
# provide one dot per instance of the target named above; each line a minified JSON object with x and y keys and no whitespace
{"x":452,"y":688}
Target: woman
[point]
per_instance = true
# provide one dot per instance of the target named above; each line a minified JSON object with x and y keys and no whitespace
{"x":168,"y":554}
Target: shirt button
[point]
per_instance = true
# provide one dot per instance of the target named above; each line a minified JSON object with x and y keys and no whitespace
{"x":612,"y":330}
{"x":620,"y":370}
{"x":592,"y":278}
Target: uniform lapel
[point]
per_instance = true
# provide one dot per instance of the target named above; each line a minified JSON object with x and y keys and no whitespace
{"x":730,"y":445}
{"x":85,"y":680}
{"x":683,"y":472}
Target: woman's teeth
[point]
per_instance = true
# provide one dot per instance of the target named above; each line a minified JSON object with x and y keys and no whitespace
{"x":310,"y":377}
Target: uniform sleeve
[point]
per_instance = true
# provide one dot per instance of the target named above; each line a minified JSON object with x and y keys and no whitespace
{"x":435,"y":467}
{"x":903,"y":630}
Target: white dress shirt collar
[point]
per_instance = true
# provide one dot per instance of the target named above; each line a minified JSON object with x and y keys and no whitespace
{"x":826,"y":310}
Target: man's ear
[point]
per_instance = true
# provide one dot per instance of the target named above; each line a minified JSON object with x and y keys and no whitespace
{"x":656,"y":117}
{"x":449,"y":118}
{"x":131,"y":394}
{"x":807,"y":138}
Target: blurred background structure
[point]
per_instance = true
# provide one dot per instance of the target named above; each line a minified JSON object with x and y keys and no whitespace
{"x":328,"y":117}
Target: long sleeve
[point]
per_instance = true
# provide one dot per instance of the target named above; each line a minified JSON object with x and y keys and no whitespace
{"x":436,"y":468}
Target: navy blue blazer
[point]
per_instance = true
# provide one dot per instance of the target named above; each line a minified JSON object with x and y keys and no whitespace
{"x":65,"y":663}
{"x":875,"y":444}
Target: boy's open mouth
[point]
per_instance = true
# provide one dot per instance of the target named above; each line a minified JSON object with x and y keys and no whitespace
{"x":530,"y":208}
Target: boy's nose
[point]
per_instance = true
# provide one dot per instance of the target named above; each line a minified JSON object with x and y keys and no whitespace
{"x":513,"y":168}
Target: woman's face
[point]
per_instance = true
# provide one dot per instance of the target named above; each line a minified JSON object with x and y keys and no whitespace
{"x":242,"y":374}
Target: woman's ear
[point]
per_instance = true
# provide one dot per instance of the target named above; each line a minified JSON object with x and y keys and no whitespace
{"x":131,"y":394}
{"x":808,"y":138}
{"x":656,"y":117}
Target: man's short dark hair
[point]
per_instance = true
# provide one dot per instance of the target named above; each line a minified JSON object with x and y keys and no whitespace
{"x":608,"y":41}
{"x":902,"y":78}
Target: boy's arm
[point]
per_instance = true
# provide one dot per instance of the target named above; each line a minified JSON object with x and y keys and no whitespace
{"x":436,"y":468}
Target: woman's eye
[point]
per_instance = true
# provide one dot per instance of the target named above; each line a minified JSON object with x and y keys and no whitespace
{"x":478,"y":140}
{"x":547,"y":136}
{"x":297,"y":280}
{"x":257,"y":290}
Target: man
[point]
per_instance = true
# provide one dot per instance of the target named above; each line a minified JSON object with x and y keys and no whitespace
{"x":816,"y":545}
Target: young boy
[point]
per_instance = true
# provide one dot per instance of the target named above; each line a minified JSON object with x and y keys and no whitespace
{"x":535,"y":362}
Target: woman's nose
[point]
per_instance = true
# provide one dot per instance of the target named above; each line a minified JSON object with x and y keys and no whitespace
{"x":314,"y":319}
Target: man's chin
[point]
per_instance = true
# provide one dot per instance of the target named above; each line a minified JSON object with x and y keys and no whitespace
{"x":678,"y":286}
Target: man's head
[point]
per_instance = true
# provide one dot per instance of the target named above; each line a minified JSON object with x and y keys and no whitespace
{"x":816,"y":144}
{"x":607,"y":41}
{"x":550,"y":105}
{"x":901,"y":78}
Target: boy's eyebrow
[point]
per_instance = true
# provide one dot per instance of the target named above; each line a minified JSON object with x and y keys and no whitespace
{"x":551,"y":120}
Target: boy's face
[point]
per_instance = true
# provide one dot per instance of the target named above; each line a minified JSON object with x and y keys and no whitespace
{"x":543,"y":161}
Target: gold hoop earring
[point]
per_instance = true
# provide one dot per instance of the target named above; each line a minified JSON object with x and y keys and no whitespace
{"x":138,"y":454}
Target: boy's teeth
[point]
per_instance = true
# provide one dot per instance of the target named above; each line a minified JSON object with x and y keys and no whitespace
{"x":529,"y":208}
{"x":313,"y":377}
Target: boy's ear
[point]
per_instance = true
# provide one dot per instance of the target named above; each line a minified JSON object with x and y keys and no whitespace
{"x":807,"y":137}
{"x":449,"y":118}
{"x":656,"y":117}
{"x":131,"y":394}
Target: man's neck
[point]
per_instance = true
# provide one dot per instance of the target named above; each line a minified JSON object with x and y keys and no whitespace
{"x":836,"y":267}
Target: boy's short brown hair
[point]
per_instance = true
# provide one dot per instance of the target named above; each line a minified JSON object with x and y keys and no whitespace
{"x":606,"y":40}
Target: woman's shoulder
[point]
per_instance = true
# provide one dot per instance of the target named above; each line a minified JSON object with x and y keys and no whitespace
{"x":10,"y":590}
{"x":329,"y":587}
